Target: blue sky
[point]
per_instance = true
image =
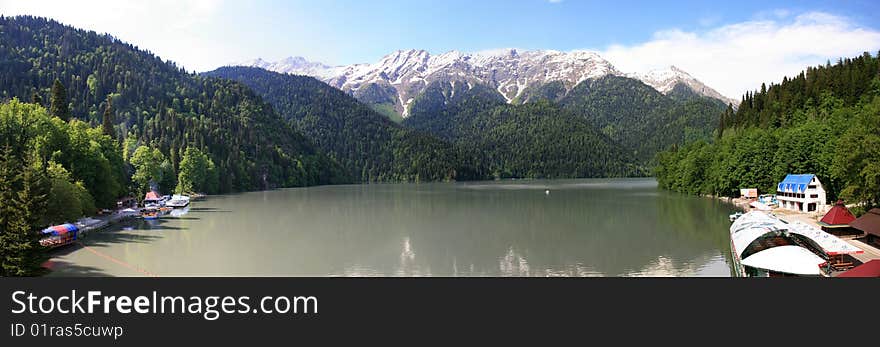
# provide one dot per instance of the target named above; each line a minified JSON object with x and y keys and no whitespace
{"x":711,"y":40}
{"x":363,"y":31}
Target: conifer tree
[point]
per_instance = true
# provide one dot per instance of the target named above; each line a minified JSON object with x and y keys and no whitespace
{"x":59,"y":107}
{"x":24,"y":190}
{"x":109,"y":119}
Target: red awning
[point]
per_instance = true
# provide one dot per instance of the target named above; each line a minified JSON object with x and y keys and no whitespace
{"x":869,"y":269}
{"x":839,"y":215}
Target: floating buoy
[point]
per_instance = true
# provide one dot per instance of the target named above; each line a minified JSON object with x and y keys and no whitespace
{"x":547,"y":191}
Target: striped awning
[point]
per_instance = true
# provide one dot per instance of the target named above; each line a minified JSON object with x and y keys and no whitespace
{"x":61,"y":229}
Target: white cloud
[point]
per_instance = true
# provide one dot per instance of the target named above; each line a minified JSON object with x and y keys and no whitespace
{"x":739,"y":57}
{"x":554,"y":1}
{"x":168,"y":28}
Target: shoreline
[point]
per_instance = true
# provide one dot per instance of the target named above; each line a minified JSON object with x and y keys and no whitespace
{"x":98,"y":222}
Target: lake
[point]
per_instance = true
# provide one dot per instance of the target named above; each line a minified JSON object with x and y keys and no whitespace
{"x":584,"y":227}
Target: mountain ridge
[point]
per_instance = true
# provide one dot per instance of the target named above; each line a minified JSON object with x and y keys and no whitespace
{"x":404,"y":74}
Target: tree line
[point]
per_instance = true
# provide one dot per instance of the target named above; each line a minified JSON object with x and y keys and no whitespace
{"x":539,"y":139}
{"x":158,"y":105}
{"x":825,"y":121}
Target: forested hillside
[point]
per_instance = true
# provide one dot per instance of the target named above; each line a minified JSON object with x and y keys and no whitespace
{"x":157,"y":104}
{"x":623,"y":122}
{"x":825,"y":121}
{"x":641,"y":119}
{"x":367,"y":144}
{"x":535,"y":140}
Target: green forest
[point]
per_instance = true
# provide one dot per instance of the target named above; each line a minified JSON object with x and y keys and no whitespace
{"x":536,"y":140}
{"x":158,"y":105}
{"x":366,"y":143}
{"x":824,"y":121}
{"x":606,"y":127}
{"x":641,"y":119}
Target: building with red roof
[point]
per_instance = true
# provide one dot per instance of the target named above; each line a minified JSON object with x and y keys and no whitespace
{"x":837,"y":220}
{"x":869,"y":269}
{"x":838,"y":217}
{"x":870,"y":224}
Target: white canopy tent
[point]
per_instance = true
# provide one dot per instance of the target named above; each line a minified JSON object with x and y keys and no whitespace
{"x":751,"y":226}
{"x":789,"y":259}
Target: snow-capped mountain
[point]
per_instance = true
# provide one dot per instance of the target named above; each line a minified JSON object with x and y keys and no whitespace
{"x":291,"y":65}
{"x":405,"y":74}
{"x":664,"y":80}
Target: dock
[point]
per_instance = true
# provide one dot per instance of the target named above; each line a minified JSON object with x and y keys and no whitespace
{"x":72,"y":232}
{"x":100,"y":222}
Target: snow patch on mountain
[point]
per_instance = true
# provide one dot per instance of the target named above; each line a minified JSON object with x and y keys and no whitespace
{"x":665,"y":79}
{"x":293,"y":66}
{"x":509,"y":71}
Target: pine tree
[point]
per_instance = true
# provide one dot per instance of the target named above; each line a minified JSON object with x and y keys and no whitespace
{"x":109,"y":119}
{"x":725,"y":117}
{"x":23,"y":199}
{"x":58,"y":99}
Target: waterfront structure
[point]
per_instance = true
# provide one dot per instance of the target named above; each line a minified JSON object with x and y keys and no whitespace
{"x":763,"y":245}
{"x":802,"y":193}
{"x":870,"y":224}
{"x":152,"y":199}
{"x":748,"y":193}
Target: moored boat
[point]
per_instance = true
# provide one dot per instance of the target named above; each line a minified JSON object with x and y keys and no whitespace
{"x":153,"y":200}
{"x":150,"y":213}
{"x":178,"y":201}
{"x":59,"y":235}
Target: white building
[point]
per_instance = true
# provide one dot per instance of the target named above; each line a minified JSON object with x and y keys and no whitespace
{"x":802,"y":193}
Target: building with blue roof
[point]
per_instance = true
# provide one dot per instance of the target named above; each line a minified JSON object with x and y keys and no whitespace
{"x":803,"y":193}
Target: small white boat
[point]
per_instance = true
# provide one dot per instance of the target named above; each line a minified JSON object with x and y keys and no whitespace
{"x":178,"y":201}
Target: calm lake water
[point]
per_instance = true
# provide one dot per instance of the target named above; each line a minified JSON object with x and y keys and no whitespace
{"x":589,"y":227}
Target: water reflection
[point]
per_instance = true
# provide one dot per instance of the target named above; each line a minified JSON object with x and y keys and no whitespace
{"x":513,"y":264}
{"x":179,"y":212}
{"x":623,"y":227}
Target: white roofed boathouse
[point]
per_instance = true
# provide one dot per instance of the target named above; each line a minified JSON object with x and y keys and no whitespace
{"x":803,"y":193}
